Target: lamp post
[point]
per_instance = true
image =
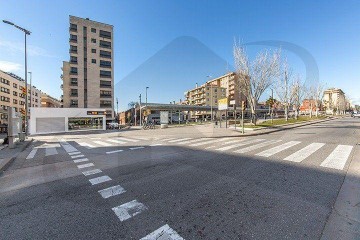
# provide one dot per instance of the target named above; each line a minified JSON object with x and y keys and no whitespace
{"x":117,"y":109}
{"x":146,"y":95}
{"x":140,"y":110}
{"x":211,"y":100}
{"x":26,"y":32}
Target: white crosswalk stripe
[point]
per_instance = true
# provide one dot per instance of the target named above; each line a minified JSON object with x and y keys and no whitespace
{"x":50,"y":151}
{"x":85,"y":165}
{"x":68,"y":148}
{"x":81,"y":160}
{"x":32,"y":153}
{"x":277,"y":149}
{"x":337,"y":158}
{"x":167,"y":139}
{"x":165,"y":233}
{"x":193,"y":141}
{"x":257,"y":146}
{"x":116,"y":141}
{"x":128,"y":210}
{"x":73,"y":153}
{"x":211,"y":140}
{"x":111,"y":191}
{"x":304,"y":152}
{"x":91,"y":172}
{"x":179,"y":140}
{"x":127,"y":139}
{"x":234,"y":141}
{"x":105,"y":144}
{"x":99,"y":180}
{"x":242,"y":143}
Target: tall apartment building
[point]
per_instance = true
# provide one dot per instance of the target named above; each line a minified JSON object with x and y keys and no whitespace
{"x":88,"y":77}
{"x":11,"y":94}
{"x":334,"y":101}
{"x":207,"y":94}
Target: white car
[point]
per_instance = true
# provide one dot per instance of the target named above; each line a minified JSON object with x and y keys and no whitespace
{"x":356,"y":115}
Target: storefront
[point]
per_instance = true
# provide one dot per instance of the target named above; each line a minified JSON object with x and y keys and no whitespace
{"x":57,"y":120}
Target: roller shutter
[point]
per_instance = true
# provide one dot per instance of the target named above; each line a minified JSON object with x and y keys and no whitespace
{"x":50,"y":125}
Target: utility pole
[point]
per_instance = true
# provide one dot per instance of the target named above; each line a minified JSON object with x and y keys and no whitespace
{"x":27,"y":32}
{"x":140,"y":110}
{"x":117,"y":109}
{"x":146,"y":95}
{"x":211,"y":100}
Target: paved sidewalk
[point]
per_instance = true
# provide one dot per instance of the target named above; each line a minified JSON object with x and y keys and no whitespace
{"x":8,"y":155}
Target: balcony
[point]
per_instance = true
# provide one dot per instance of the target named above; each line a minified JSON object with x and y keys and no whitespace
{"x":73,"y":29}
{"x":73,"y":73}
{"x":73,"y":62}
{"x":73,"y":51}
{"x":73,"y":40}
{"x":105,"y":96}
{"x":74,"y":105}
{"x":105,"y":105}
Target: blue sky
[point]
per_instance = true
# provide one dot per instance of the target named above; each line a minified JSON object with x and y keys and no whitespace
{"x":329,"y":30}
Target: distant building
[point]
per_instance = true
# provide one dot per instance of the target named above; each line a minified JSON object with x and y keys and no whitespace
{"x":49,"y":102}
{"x":309,"y":104}
{"x":334,"y":101}
{"x":12,"y":89}
{"x":88,"y":78}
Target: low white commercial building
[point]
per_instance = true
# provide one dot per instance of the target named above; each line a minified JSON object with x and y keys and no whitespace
{"x":57,"y":120}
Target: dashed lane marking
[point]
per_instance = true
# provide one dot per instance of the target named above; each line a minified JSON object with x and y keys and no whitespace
{"x":32,"y":153}
{"x":156,"y":144}
{"x":91,"y":172}
{"x":257,"y":146}
{"x":277,"y":149}
{"x":74,"y":153}
{"x":165,"y":233}
{"x":115,"y":141}
{"x":112,"y":191}
{"x":305,"y":152}
{"x":128,"y":210}
{"x":77,"y":156}
{"x":81,"y":160}
{"x":337,"y":159}
{"x":115,"y":151}
{"x":135,"y":148}
{"x":85,"y":165}
{"x":99,"y":180}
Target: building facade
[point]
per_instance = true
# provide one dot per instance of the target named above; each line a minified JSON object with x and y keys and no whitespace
{"x":49,"y":101}
{"x":88,"y":76}
{"x":12,"y":89}
{"x":334,"y":101}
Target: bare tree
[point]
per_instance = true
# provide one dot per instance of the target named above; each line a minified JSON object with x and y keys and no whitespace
{"x":318,"y":97}
{"x":132,"y":104}
{"x":298,"y":93}
{"x":283,"y":88}
{"x":256,"y":76}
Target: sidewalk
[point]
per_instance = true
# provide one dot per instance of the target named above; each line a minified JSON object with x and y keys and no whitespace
{"x":7,"y":155}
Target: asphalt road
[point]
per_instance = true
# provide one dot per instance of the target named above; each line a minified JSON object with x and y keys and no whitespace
{"x":277,"y":186}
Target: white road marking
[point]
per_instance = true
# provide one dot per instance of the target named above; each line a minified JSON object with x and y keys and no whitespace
{"x":74,"y":153}
{"x":243,"y":143}
{"x":194,"y":141}
{"x":77,"y":156}
{"x":87,"y":145}
{"x":99,"y":180}
{"x":179,"y":140}
{"x":105,"y":144}
{"x":234,"y":141}
{"x":156,"y":144}
{"x":128,"y":210}
{"x":111,"y":191}
{"x":134,"y":148}
{"x":167,"y":139}
{"x":81,"y":160}
{"x":211,"y":140}
{"x":85,"y":165}
{"x":337,"y":159}
{"x":91,"y":172}
{"x":116,"y":141}
{"x":277,"y":149}
{"x":115,"y":151}
{"x":165,"y":233}
{"x":305,"y":152}
{"x":257,"y":146}
{"x":68,"y":148}
{"x":142,"y":138}
{"x":127,"y":139}
{"x":32,"y":153}
{"x":50,"y":151}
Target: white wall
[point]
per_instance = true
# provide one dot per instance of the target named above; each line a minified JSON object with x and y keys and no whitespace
{"x":57,"y":113}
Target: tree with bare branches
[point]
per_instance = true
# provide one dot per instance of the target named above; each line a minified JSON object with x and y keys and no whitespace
{"x":283,"y":88}
{"x":256,"y":76}
{"x":298,"y":93}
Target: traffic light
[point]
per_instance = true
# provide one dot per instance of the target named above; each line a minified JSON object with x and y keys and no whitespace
{"x":243,"y":105}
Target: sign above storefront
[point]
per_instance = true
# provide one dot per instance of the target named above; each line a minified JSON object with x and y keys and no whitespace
{"x":96,"y":113}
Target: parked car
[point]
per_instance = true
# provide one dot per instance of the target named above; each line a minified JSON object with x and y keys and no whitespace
{"x":356,"y":115}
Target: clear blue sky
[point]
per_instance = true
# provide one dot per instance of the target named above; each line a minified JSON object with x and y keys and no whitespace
{"x":329,"y":30}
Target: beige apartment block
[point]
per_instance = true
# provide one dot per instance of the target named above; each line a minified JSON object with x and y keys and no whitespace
{"x":334,"y":101}
{"x":49,"y":101}
{"x":88,"y":76}
{"x":11,"y":94}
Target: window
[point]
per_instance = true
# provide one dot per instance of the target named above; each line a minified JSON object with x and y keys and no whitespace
{"x":3,"y":80}
{"x":74,"y":81}
{"x":14,"y":85}
{"x":93,"y":40}
{"x":5,"y":99}
{"x":73,"y":59}
{"x":36,"y":94}
{"x":93,"y":30}
{"x":73,"y":38}
{"x":74,"y":92}
{"x":105,"y":54}
{"x":73,"y":103}
{"x":105,"y":34}
{"x":5,"y":90}
{"x":15,"y":93}
{"x":93,"y":50}
{"x":93,"y":60}
{"x":105,"y":64}
{"x":105,"y":103}
{"x":106,"y":74}
{"x":74,"y":70}
{"x":15,"y":101}
{"x":105,"y":84}
{"x":105,"y":44}
{"x":73,"y":49}
{"x":73,"y":27}
{"x":105,"y":94}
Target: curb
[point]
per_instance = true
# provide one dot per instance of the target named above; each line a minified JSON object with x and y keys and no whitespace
{"x":7,"y":161}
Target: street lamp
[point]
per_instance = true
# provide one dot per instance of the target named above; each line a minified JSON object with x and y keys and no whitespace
{"x":146,"y":95}
{"x":26,"y":32}
{"x":211,"y":100}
